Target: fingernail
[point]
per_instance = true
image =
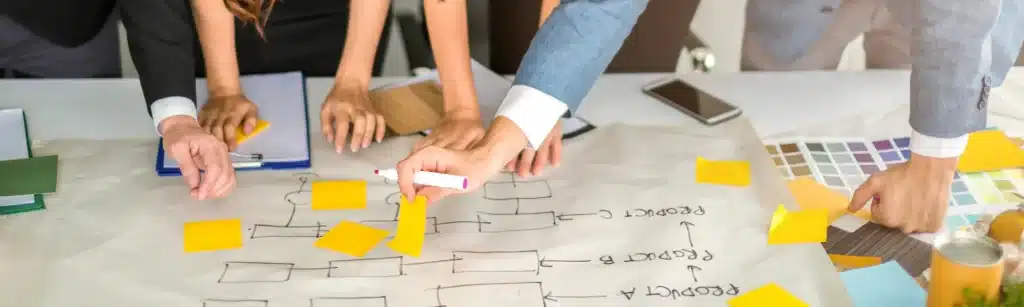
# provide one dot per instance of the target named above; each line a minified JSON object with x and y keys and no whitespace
{"x":367,"y":144}
{"x":337,"y":149}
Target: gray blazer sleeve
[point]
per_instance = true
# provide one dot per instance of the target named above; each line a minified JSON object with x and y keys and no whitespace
{"x":952,"y":48}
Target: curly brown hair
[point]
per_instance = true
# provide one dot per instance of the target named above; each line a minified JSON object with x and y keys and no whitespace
{"x":251,"y":11}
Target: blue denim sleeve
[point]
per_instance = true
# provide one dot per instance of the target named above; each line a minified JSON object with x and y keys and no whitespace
{"x":575,"y":45}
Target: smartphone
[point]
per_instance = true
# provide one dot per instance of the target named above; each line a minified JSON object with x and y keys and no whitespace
{"x":705,"y":107}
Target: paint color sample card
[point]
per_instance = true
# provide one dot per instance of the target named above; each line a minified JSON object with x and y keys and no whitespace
{"x":339,"y":195}
{"x":768,"y":295}
{"x":351,"y":238}
{"x":789,"y":159}
{"x":212,"y":235}
{"x":884,"y":285}
{"x":734,"y":173}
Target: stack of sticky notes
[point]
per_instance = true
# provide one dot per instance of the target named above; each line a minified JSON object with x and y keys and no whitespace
{"x":768,"y":295}
{"x":811,"y":195}
{"x":23,"y":178}
{"x":883,"y":285}
{"x":990,"y":150}
{"x":804,"y":226}
{"x":734,"y":173}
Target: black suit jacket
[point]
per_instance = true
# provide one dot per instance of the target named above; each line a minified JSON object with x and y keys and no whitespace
{"x":163,"y":42}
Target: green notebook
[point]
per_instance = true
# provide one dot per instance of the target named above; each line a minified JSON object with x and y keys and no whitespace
{"x":14,"y":145}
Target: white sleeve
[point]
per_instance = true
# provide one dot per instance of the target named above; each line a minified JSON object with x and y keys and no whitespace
{"x":171,"y":106}
{"x":934,"y":147}
{"x":535,"y":112}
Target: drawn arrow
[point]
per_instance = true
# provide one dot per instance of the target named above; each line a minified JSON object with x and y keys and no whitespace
{"x":688,"y":235}
{"x":555,"y":298}
{"x":693,"y":271}
{"x":544,"y":262}
{"x":604,"y":214}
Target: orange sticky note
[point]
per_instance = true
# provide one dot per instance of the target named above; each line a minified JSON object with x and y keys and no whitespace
{"x":854,"y":262}
{"x":212,"y":235}
{"x":351,"y":238}
{"x":240,"y":135}
{"x":768,"y":295}
{"x":412,"y":227}
{"x":990,"y":150}
{"x":811,"y":195}
{"x":804,"y":226}
{"x":339,"y":195}
{"x":735,"y":173}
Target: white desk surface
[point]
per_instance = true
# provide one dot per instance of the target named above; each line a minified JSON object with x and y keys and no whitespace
{"x":776,"y":103}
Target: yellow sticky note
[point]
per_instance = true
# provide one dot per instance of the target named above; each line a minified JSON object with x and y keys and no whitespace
{"x":412,"y":227}
{"x":804,"y":226}
{"x":338,"y":195}
{"x":212,"y":235}
{"x":242,"y":137}
{"x":854,"y":262}
{"x":811,"y":195}
{"x":736,"y":173}
{"x":351,"y":238}
{"x":768,"y":295}
{"x":990,"y":150}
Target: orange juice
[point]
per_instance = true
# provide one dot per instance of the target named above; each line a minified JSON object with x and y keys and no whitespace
{"x":964,"y":259}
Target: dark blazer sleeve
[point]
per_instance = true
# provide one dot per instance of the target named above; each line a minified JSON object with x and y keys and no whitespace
{"x":162,"y":42}
{"x":67,"y":24}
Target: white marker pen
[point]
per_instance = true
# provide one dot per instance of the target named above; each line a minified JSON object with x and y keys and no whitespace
{"x":429,"y":178}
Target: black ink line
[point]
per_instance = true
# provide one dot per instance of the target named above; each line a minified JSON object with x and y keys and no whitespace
{"x":463,"y":222}
{"x":214,"y":300}
{"x":544,"y":261}
{"x":554,"y":298}
{"x":689,"y":237}
{"x":693,"y":271}
{"x":433,"y":262}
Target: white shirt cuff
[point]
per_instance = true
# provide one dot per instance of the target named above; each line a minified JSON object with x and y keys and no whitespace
{"x":535,"y":112}
{"x":934,"y":147}
{"x":171,"y":106}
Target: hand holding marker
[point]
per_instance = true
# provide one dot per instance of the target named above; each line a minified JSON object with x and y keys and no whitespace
{"x":429,"y":178}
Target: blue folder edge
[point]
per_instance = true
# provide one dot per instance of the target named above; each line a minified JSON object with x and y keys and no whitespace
{"x":303,"y":164}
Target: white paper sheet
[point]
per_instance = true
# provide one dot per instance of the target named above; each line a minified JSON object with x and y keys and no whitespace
{"x":282,"y":102}
{"x":13,"y":145}
{"x":620,"y":223}
{"x":490,"y":90}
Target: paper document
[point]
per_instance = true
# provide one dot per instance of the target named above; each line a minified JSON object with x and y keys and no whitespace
{"x":14,"y":145}
{"x":490,"y":92}
{"x":282,"y":102}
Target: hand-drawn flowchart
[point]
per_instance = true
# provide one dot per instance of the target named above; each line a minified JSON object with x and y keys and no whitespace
{"x":530,"y":266}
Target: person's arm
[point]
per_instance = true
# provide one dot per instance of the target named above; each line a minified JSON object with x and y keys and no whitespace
{"x":449,"y":40}
{"x":216,"y":27}
{"x":365,"y":23}
{"x":951,"y":45}
{"x":546,"y":7}
{"x":570,"y":51}
{"x":161,"y":43}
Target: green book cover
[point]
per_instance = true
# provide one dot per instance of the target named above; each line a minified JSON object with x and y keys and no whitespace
{"x":38,"y":203}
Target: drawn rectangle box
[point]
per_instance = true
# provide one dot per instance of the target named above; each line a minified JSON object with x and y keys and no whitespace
{"x":249,"y":272}
{"x":366,"y":267}
{"x":392,"y":225}
{"x":526,"y":294}
{"x":508,"y":262}
{"x":234,"y":303}
{"x":506,"y":222}
{"x":511,"y":190}
{"x":379,"y":301}
{"x":274,"y":231}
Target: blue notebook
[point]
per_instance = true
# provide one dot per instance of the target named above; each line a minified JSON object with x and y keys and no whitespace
{"x":284,"y":144}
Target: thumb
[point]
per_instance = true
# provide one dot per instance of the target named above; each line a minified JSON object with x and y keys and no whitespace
{"x":189,"y":170}
{"x":433,"y":193}
{"x":250,"y":122}
{"x":864,"y":193}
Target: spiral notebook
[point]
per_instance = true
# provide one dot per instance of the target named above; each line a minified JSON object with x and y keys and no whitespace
{"x":284,"y":144}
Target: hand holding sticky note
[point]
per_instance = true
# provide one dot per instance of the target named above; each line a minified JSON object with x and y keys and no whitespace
{"x":412,"y":225}
{"x":212,"y":235}
{"x":990,"y":150}
{"x":735,"y":173}
{"x":804,"y":226}
{"x":241,"y":136}
{"x":811,"y":195}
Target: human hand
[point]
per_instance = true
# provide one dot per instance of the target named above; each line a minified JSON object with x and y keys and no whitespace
{"x":197,"y":150}
{"x":350,"y":105}
{"x":531,"y":162}
{"x":458,"y":130}
{"x":223,"y":114}
{"x":912,"y":196}
{"x":476,"y":164}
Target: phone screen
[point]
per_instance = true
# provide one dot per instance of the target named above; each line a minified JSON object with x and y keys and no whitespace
{"x":692,"y":99}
